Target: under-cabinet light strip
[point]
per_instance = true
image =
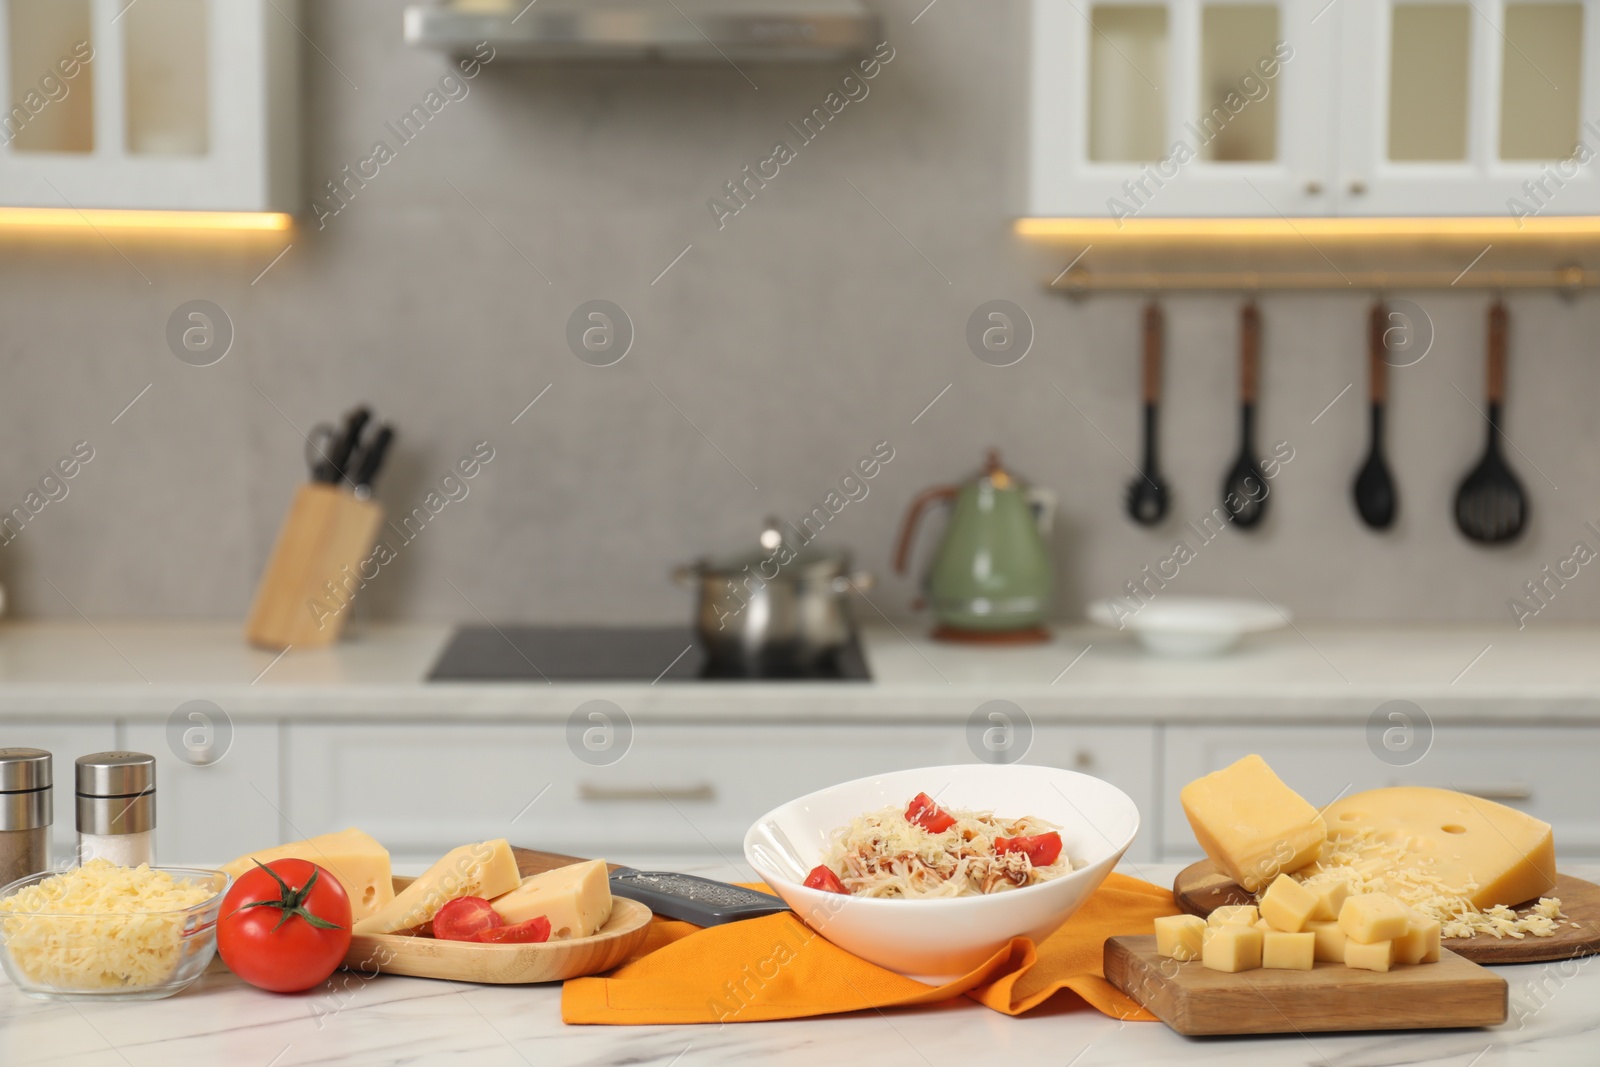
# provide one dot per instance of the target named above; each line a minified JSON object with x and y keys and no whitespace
{"x":1489,"y":228}
{"x":104,"y":219}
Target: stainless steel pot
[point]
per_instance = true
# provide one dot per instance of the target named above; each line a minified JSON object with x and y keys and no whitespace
{"x":777,"y":610}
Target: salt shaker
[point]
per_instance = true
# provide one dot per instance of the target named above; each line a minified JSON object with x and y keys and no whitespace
{"x":25,"y":812}
{"x":117,"y":808}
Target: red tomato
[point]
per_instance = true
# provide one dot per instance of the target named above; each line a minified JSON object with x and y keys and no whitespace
{"x":463,"y":918}
{"x":821,"y":877}
{"x":528,"y":932}
{"x":931,"y":817}
{"x":1042,"y":849}
{"x":284,"y":926}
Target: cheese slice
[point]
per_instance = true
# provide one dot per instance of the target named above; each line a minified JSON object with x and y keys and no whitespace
{"x":484,"y":869}
{"x":1252,"y":824}
{"x":1486,"y":852}
{"x":359,"y":862}
{"x":576,"y":900}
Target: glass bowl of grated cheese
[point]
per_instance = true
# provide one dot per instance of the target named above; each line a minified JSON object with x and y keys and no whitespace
{"x":105,"y":932}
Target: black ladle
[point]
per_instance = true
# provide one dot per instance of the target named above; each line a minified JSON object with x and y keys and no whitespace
{"x":1244,"y":490}
{"x":1491,"y":506}
{"x":1147,"y":494}
{"x":1376,"y":499}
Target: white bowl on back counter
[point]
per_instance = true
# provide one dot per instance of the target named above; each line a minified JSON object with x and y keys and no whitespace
{"x":1189,"y":625}
{"x":937,"y":939}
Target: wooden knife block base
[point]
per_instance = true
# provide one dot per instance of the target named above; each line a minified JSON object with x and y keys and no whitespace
{"x":315,"y":570}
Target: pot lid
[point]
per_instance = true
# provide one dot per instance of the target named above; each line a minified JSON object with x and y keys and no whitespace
{"x":780,"y":541}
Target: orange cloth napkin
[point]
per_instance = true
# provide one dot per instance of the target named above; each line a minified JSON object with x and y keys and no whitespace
{"x":776,"y":967}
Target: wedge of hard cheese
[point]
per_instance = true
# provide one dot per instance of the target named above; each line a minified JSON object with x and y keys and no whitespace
{"x":1464,"y":841}
{"x":576,"y":900}
{"x":1251,"y":823}
{"x":359,"y":862}
{"x":484,"y":869}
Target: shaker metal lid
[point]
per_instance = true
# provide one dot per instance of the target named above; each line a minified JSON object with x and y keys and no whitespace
{"x":116,"y":774}
{"x":24,"y":769}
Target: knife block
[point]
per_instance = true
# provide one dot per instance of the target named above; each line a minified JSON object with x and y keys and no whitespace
{"x":314,"y":573}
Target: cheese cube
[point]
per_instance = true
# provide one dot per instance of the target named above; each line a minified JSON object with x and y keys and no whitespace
{"x":1330,"y":898}
{"x":1373,"y":917}
{"x":1420,"y":943}
{"x":1329,"y":941}
{"x":1262,"y":925}
{"x":1463,"y":840}
{"x":1376,"y":956}
{"x":1288,"y":905}
{"x":359,"y":863}
{"x":1178,"y":937}
{"x":1288,"y":952}
{"x":1243,"y":914}
{"x":1232,"y":948}
{"x":485,"y":869}
{"x":576,"y":900}
{"x":1253,"y":825}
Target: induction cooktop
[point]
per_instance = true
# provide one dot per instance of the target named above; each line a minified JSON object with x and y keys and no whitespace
{"x":614,"y":654}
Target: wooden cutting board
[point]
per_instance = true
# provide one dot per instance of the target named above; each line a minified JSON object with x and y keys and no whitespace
{"x":1196,"y":1001}
{"x":1203,"y":887}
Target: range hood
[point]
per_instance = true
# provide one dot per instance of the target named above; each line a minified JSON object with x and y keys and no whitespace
{"x":682,"y":30}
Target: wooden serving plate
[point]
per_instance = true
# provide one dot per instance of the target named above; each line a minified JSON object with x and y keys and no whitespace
{"x":462,"y":961}
{"x":1195,"y":1001}
{"x":1203,"y":887}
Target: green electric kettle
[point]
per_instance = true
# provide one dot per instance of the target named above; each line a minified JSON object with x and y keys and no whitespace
{"x":991,"y":575}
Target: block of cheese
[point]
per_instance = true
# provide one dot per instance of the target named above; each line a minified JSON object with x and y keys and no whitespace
{"x":1377,"y":956}
{"x":1420,"y":943}
{"x":1252,"y":824}
{"x":1288,"y":952}
{"x":484,"y":869}
{"x":1330,"y":898}
{"x":1178,"y":936}
{"x":359,"y":862}
{"x":576,"y":900}
{"x":1232,"y":947}
{"x":1329,"y":941}
{"x":1287,"y":905}
{"x":1373,"y":917}
{"x":1243,"y":914}
{"x":1509,"y":855}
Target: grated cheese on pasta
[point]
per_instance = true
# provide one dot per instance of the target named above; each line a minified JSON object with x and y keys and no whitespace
{"x":100,"y":926}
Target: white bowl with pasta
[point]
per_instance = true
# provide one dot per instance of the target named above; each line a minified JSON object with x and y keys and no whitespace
{"x":933,"y":938}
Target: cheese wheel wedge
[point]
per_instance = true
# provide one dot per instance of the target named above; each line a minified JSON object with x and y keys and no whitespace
{"x":359,"y":862}
{"x":1252,"y":824}
{"x":576,"y":900}
{"x":485,"y":869}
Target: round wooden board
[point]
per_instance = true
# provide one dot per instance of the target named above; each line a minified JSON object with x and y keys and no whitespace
{"x":1201,"y":888}
{"x":463,"y":961}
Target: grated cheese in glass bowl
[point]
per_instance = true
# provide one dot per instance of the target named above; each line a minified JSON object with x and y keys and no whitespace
{"x":106,"y":932}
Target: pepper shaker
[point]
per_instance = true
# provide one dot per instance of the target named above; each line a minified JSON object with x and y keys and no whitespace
{"x":26,"y":809}
{"x":117,"y":808}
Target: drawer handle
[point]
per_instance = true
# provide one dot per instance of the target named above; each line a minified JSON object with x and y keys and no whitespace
{"x":606,"y":794}
{"x":1500,"y":793}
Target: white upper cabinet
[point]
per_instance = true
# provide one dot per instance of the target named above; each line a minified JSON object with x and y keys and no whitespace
{"x":1190,"y":108}
{"x":154,"y":104}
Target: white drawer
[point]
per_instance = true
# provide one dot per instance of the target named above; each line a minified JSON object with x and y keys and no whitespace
{"x":206,"y":815}
{"x":1546,"y":771}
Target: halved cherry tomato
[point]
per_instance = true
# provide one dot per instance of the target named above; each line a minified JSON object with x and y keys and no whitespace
{"x":823,"y":878}
{"x":528,"y":932}
{"x":463,"y":918}
{"x":1042,"y":849}
{"x":931,"y":817}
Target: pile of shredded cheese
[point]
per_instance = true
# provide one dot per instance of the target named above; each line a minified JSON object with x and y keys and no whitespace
{"x":1369,"y":865}
{"x":880,"y":854}
{"x":99,"y":927}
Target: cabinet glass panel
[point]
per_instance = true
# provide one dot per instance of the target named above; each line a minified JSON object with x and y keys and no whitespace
{"x":51,"y":104}
{"x":1238,"y":118}
{"x":1540,"y":81}
{"x":167,"y":70}
{"x":1429,"y":65}
{"x":1127,"y":69}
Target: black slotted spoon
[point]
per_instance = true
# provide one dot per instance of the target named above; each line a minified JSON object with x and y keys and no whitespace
{"x":1376,"y":499}
{"x":1491,"y":505}
{"x":1147,"y":494}
{"x":1244,"y":489}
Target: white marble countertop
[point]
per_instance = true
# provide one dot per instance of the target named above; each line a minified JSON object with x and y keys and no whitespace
{"x":1555,"y":1021}
{"x":1313,"y":672}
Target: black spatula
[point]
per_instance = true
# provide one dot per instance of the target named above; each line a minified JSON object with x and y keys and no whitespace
{"x":1491,"y":505}
{"x":1147,"y":494}
{"x":1244,"y":490}
{"x":1376,"y":500}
